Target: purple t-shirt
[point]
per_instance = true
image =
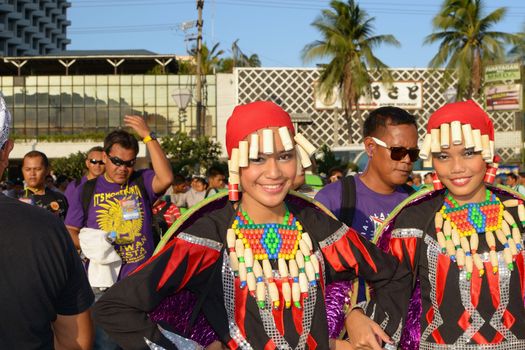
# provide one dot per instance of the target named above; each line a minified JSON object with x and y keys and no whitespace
{"x":371,"y":208}
{"x":71,"y":188}
{"x":105,"y":213}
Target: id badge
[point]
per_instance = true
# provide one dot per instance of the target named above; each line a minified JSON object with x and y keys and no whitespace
{"x":130,"y":209}
{"x":27,"y":200}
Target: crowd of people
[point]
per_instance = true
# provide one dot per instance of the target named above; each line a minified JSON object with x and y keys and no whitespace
{"x":387,"y":256}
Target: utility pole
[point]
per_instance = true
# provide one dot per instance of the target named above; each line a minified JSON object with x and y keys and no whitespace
{"x":198,"y":93}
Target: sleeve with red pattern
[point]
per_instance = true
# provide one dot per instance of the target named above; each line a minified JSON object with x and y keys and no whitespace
{"x":186,"y":262}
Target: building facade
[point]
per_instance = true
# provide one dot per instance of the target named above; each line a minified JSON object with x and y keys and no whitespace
{"x":74,"y":97}
{"x":33,"y":27}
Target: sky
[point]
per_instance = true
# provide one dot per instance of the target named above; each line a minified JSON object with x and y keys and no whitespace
{"x":275,"y":30}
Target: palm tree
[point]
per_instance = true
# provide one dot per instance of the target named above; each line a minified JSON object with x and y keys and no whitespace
{"x":348,"y":41}
{"x":466,"y":42}
{"x":517,"y":52}
{"x":242,"y":60}
{"x":210,"y":59}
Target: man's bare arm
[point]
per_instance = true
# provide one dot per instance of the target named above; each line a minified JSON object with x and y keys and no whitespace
{"x":74,"y":332}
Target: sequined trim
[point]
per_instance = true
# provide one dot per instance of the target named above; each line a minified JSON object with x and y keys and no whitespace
{"x":407,"y":233}
{"x":322,"y":271}
{"x":334,"y":237}
{"x":228,"y":283}
{"x":507,"y":345}
{"x":433,"y":251}
{"x":200,"y":241}
{"x":179,"y":341}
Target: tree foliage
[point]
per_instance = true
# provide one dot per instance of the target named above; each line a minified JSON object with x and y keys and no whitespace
{"x":348,"y":41}
{"x":72,"y":166}
{"x":190,"y":156}
{"x":327,"y":160}
{"x":517,"y":52}
{"x":467,"y":43}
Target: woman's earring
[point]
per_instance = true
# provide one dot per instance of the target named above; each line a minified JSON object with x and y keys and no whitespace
{"x":490,"y":174}
{"x":436,"y":182}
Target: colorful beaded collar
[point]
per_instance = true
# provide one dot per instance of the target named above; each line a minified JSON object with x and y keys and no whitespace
{"x":251,"y":245}
{"x":458,"y":228}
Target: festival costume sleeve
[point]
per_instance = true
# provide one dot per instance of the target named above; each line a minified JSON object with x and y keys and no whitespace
{"x":186,"y":262}
{"x":347,"y":254}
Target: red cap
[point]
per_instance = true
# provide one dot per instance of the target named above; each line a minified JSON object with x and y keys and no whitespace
{"x":247,"y":119}
{"x":467,"y":112}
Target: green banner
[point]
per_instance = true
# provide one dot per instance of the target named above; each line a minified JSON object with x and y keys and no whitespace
{"x":502,"y":72}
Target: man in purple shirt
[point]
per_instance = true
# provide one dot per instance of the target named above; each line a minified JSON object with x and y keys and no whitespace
{"x":119,"y":208}
{"x":390,"y":138}
{"x":94,"y":166}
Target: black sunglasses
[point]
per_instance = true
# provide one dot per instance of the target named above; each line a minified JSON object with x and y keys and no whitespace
{"x":127,"y":163}
{"x":398,"y":153}
{"x":96,"y":161}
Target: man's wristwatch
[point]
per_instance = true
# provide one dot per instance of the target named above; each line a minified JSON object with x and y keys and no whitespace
{"x":152,"y":136}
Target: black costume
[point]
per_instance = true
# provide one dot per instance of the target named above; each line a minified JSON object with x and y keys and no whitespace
{"x":451,"y":311}
{"x":196,"y":260}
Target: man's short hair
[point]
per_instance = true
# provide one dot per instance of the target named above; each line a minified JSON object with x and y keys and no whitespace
{"x":214,"y":171}
{"x":178,"y":179}
{"x":95,"y":149}
{"x":122,"y":138}
{"x":513,"y":176}
{"x":384,"y":116}
{"x":35,"y":154}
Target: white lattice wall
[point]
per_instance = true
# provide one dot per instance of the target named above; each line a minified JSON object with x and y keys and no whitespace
{"x":293,"y":90}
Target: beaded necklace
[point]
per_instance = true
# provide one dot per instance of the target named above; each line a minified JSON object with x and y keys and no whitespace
{"x":251,"y":245}
{"x":458,"y":228}
{"x":473,"y":217}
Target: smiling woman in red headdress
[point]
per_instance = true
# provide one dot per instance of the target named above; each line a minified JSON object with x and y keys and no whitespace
{"x":258,"y":263}
{"x":463,"y":242}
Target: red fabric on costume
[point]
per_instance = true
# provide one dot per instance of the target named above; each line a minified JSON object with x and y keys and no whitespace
{"x":199,"y":258}
{"x":310,"y":341}
{"x":240,"y":306}
{"x":464,"y":320}
{"x":297,"y":315}
{"x":467,"y":112}
{"x":232,"y":345}
{"x":441,"y":276}
{"x":277,"y":313}
{"x":254,"y":116}
{"x":270,"y":345}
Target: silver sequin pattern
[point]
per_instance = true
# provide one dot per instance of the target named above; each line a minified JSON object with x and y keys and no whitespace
{"x":200,"y":241}
{"x":433,"y":251}
{"x":334,"y":237}
{"x":179,"y":341}
{"x":407,"y":233}
{"x":228,"y":284}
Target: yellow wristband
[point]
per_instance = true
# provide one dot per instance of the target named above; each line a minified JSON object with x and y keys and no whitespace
{"x":147,"y":139}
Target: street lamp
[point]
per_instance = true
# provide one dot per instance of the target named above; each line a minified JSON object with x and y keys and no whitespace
{"x":182,"y":98}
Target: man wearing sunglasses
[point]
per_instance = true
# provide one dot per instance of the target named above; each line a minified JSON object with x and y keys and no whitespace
{"x":94,"y":166}
{"x":111,"y":216}
{"x":365,"y":200}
